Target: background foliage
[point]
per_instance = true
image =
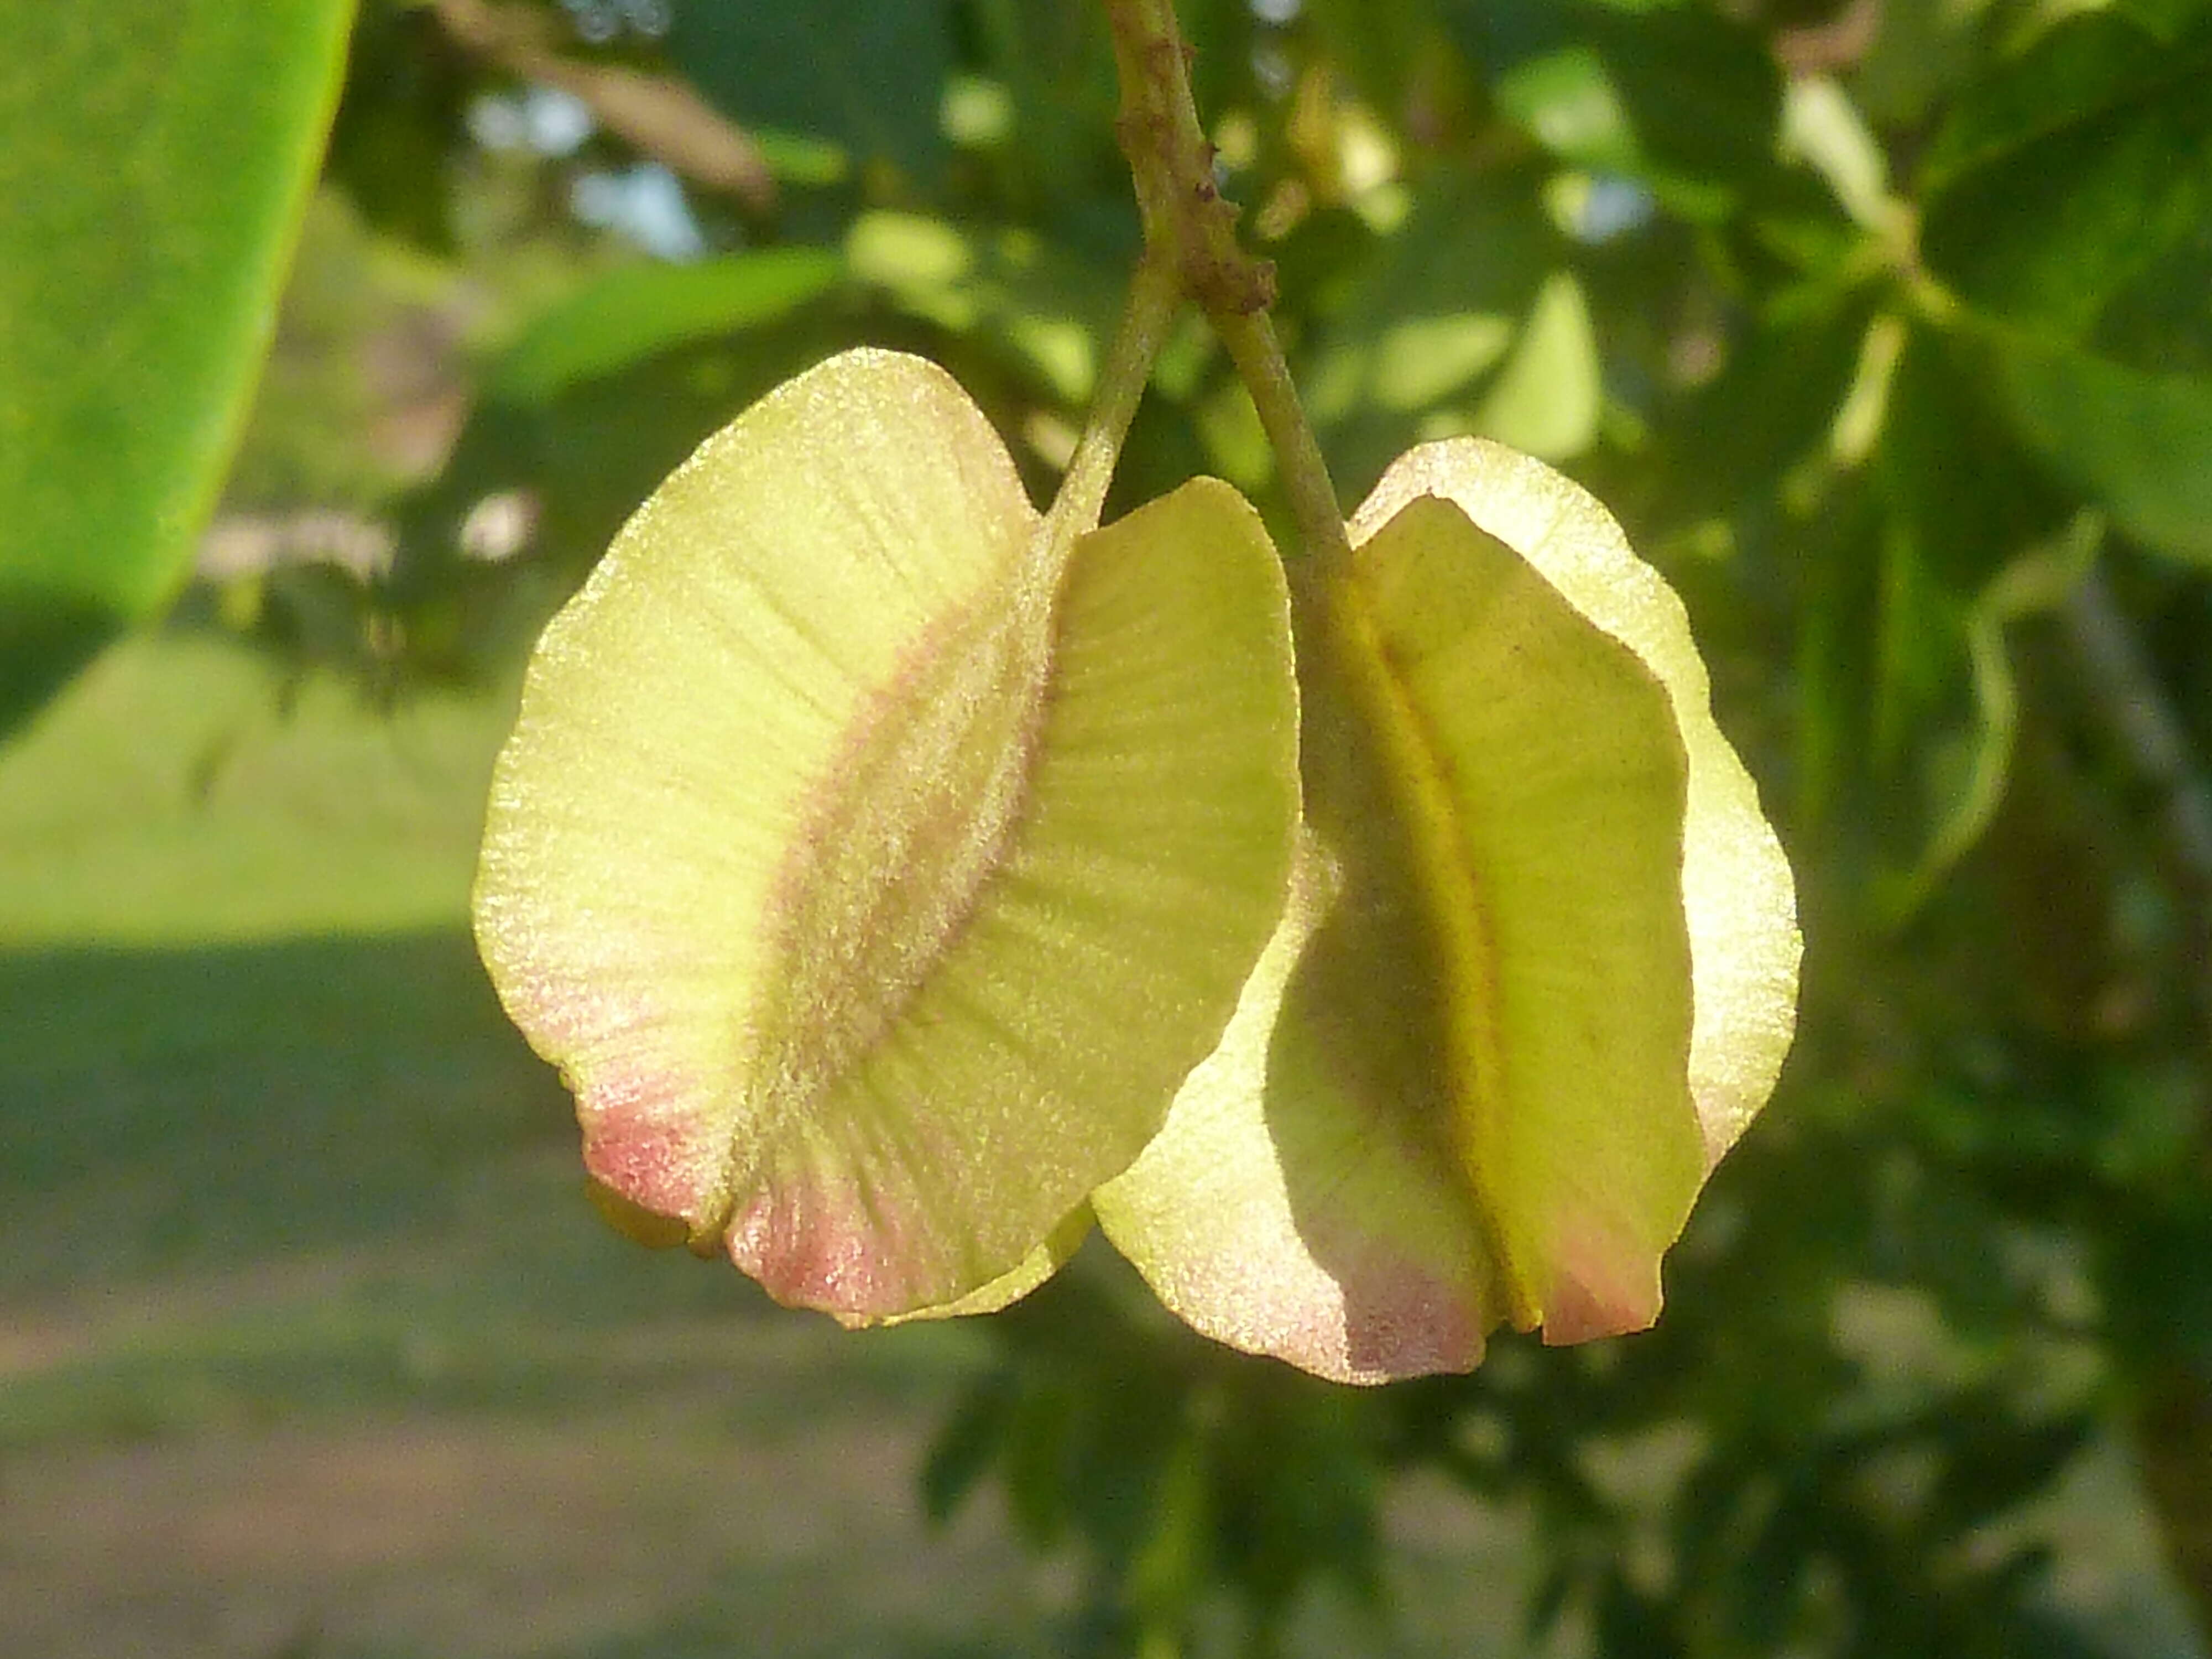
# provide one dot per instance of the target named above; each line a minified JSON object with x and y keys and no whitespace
{"x":1887,"y":328}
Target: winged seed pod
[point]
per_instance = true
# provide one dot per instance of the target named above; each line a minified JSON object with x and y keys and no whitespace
{"x":874,"y":862}
{"x":1537,"y":972}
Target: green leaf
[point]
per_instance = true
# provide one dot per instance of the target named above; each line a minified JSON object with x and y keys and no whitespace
{"x":2040,"y":580}
{"x":1962,"y":503}
{"x":1537,"y":970}
{"x":639,"y":312}
{"x":876,"y":866}
{"x":794,"y":158}
{"x":966,"y":1444}
{"x":866,"y":74}
{"x":1429,"y":314}
{"x":1704,"y":89}
{"x":402,"y":123}
{"x":1570,"y":104}
{"x":1547,"y":398}
{"x":2080,"y":70}
{"x":1058,"y":66}
{"x":1775,"y":401}
{"x":1380,"y":45}
{"x":1822,"y":127}
{"x":2137,"y":444}
{"x":1045,"y":307}
{"x":1678,"y":96}
{"x":2084,"y":161}
{"x":2169,"y":20}
{"x":155,"y":157}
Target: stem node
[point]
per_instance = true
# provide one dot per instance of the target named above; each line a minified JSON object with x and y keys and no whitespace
{"x":1190,"y":231}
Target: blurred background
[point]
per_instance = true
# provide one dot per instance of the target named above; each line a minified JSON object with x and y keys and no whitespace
{"x":1886,"y":326}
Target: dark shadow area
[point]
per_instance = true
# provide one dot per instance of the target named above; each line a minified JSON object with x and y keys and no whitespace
{"x":43,"y":641}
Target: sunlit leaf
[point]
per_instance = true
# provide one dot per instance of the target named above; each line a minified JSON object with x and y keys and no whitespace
{"x":636,"y":312}
{"x":1423,"y":358}
{"x":793,"y":158}
{"x":1547,"y":400}
{"x":1044,"y":308}
{"x":1824,"y":128}
{"x":874,"y":865}
{"x":155,"y":157}
{"x":1430,"y":312}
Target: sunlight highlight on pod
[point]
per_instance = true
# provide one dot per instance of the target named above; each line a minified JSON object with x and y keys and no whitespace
{"x":1538,"y":974}
{"x":875,"y":865}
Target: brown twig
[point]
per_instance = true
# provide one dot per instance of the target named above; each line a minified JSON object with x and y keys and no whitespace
{"x":1193,"y":230}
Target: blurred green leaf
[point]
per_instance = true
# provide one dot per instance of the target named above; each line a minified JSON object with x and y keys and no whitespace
{"x":1054,"y":62}
{"x":2166,"y":19}
{"x":1428,"y":315}
{"x":1043,"y":1446}
{"x":1318,"y":262}
{"x":1951,"y":470}
{"x":966,"y":1443}
{"x":1834,"y":554}
{"x":2076,"y":72}
{"x":1168,"y":1571}
{"x":1995,"y":1463}
{"x":1774,"y":399}
{"x":1378,"y":44}
{"x":866,"y":74}
{"x":2140,"y":445}
{"x":1822,"y":126}
{"x":2154,"y":1278}
{"x":794,"y":158}
{"x":631,"y":314}
{"x":1679,"y":96}
{"x":1547,"y":398}
{"x":155,"y":157}
{"x":2075,"y":166}
{"x":400,"y":121}
{"x":1042,"y":307}
{"x":1570,"y":103}
{"x":2162,"y":320}
{"x":1962,"y":505}
{"x":2040,"y":580}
